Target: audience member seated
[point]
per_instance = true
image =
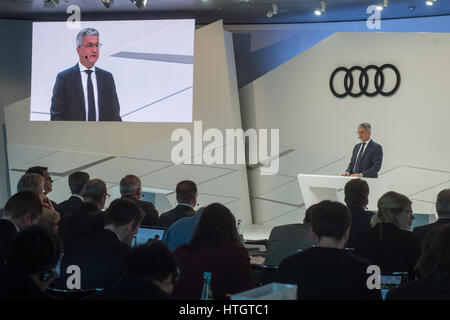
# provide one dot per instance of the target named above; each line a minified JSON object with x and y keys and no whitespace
{"x":48,"y":181}
{"x":21,"y":210}
{"x":34,"y":182}
{"x":433,"y":269}
{"x":284,"y":241}
{"x":149,"y":273}
{"x":356,"y":198}
{"x":182,"y":231}
{"x":131,"y":189}
{"x":389,"y":244}
{"x":215,"y":248}
{"x":326,"y":271}
{"x":30,"y":266}
{"x":99,"y":256}
{"x":77,"y":181}
{"x":443,"y":212}
{"x":187,"y":200}
{"x":88,"y":218}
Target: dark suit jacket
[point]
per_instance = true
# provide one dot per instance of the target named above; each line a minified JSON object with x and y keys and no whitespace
{"x":68,"y":206}
{"x":132,"y":288}
{"x":149,"y":213}
{"x":360,"y":222}
{"x":7,"y":232}
{"x":389,"y":247}
{"x":327,"y":274}
{"x":371,"y":161}
{"x":17,"y":285}
{"x":99,"y":258}
{"x":284,"y":241}
{"x":83,"y":222}
{"x":228,"y":264}
{"x":424,"y":289}
{"x":180,"y":211}
{"x":68,"y":97}
{"x":422,"y":231}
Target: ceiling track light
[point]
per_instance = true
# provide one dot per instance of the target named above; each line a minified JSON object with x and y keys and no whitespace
{"x":323,"y":7}
{"x":383,"y":5}
{"x":272,"y":12}
{"x":140,"y":4}
{"x":107,"y":3}
{"x":50,"y":3}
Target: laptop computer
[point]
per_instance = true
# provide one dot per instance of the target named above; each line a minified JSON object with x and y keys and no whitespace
{"x":146,"y":233}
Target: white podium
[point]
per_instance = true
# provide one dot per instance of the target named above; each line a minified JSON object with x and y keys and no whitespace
{"x":316,"y":188}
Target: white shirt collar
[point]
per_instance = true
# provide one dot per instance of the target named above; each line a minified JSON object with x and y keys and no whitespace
{"x":185,"y":204}
{"x":78,"y":196}
{"x":367,"y":142}
{"x":83,"y":68}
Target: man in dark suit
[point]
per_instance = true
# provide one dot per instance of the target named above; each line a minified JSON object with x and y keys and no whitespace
{"x":150,"y":271}
{"x":99,"y":255}
{"x":131,"y":189}
{"x":187,"y":200}
{"x":21,"y":210}
{"x":443,"y":212}
{"x":77,"y":181}
{"x":88,"y":218}
{"x":85,"y":92}
{"x":357,"y":197}
{"x":326,"y":271}
{"x":367,"y":156}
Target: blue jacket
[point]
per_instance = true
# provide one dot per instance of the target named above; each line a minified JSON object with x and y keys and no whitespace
{"x":371,"y":161}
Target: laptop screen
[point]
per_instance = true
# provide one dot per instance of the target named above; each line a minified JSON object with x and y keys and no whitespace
{"x":145,"y":233}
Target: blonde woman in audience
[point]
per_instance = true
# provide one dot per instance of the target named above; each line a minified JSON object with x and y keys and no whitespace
{"x":389,"y":243}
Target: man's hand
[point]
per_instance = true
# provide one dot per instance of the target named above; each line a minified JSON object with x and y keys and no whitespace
{"x":47,"y":203}
{"x":356,"y":175}
{"x":345,"y":174}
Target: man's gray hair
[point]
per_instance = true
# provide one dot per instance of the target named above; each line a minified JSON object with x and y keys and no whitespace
{"x":130,"y":185}
{"x":443,"y":203}
{"x":365,"y":125}
{"x":31,"y":181}
{"x":85,"y":32}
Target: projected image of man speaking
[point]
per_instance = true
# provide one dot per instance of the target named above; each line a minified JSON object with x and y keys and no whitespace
{"x":85,"y":92}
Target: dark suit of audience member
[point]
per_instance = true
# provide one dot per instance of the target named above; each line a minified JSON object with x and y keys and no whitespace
{"x":7,"y":231}
{"x":132,"y":288}
{"x":389,"y":247}
{"x":360,"y":222}
{"x":149,"y":273}
{"x":180,"y":211}
{"x":68,"y":206}
{"x":21,"y":210}
{"x":443,"y":212}
{"x":17,"y":285}
{"x":285,"y":241}
{"x":432,"y":267}
{"x":83,"y":222}
{"x":149,"y":212}
{"x":424,"y":289}
{"x":327,"y":273}
{"x":98,"y":256}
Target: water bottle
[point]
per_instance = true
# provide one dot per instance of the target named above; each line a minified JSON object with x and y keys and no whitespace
{"x":206,"y":291}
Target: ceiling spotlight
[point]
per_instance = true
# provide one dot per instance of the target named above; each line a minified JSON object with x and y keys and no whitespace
{"x":430,"y":2}
{"x":274,"y":11}
{"x":50,"y":3}
{"x":323,"y":7}
{"x":140,"y":3}
{"x":108,"y":3}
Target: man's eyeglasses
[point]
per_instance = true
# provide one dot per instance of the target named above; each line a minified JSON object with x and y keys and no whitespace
{"x":90,"y":45}
{"x":108,"y":195}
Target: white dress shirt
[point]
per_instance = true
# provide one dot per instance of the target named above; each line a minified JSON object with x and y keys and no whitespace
{"x":84,"y":79}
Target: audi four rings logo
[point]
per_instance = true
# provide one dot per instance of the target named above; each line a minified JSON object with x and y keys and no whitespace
{"x":363,"y":82}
